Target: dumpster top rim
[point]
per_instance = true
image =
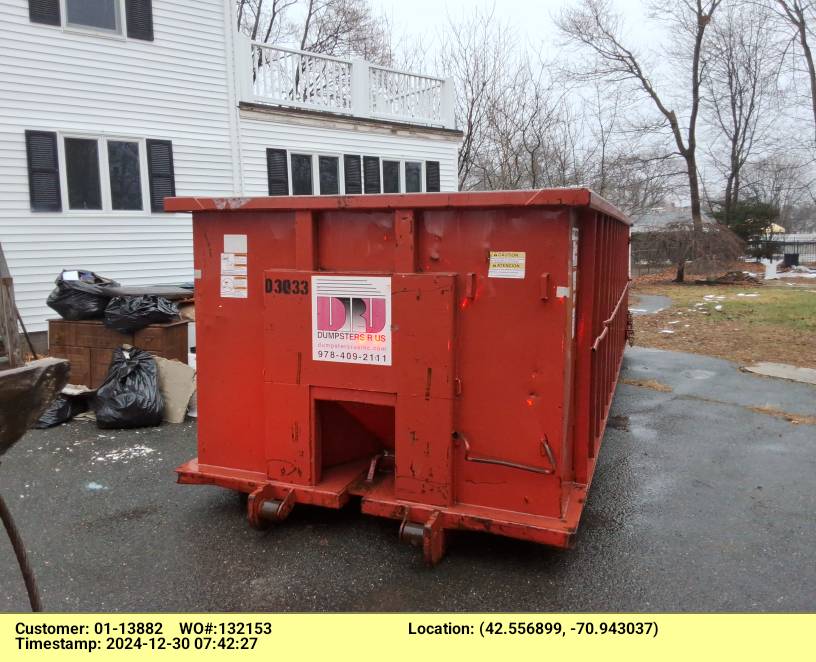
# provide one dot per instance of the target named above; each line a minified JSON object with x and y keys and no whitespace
{"x":548,"y":197}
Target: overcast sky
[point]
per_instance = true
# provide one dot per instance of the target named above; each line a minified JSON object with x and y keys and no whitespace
{"x":530,"y":19}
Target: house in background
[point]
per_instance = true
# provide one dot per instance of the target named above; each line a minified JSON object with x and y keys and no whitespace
{"x":109,"y":106}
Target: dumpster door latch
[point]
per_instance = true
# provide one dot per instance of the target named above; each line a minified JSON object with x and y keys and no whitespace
{"x":545,"y":286}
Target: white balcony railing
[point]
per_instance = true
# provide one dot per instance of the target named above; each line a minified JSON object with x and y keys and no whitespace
{"x":288,"y":77}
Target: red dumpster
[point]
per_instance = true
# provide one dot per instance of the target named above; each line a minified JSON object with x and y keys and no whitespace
{"x":448,"y":358}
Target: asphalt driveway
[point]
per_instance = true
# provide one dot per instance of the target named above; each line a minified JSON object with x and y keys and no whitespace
{"x":700,"y":502}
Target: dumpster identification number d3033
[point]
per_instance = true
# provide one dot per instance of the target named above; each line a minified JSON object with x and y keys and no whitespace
{"x":351,"y":319}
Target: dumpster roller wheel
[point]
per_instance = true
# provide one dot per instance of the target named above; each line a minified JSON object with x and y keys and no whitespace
{"x":263,"y":508}
{"x":430,"y":535}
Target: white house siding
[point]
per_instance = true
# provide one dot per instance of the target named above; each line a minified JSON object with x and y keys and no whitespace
{"x":281,"y":129}
{"x":173,"y":88}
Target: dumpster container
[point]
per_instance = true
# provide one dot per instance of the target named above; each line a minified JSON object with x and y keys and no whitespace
{"x":449,"y":358}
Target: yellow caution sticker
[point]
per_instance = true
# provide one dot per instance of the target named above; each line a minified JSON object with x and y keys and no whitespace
{"x":507,"y":264}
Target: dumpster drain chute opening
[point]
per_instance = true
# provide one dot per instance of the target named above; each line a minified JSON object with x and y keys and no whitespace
{"x":348,"y":431}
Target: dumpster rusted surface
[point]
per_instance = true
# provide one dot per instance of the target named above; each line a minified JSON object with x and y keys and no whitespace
{"x":450,"y":358}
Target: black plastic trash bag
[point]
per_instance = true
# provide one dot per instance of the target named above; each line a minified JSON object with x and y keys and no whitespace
{"x":62,"y":409}
{"x":129,"y":314}
{"x":80,"y":296}
{"x":129,"y":397}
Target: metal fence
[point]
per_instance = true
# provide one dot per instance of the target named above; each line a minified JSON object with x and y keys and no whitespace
{"x":651,"y":260}
{"x":777,"y":249}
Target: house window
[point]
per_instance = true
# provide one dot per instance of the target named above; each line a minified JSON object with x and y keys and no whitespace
{"x":349,"y":174}
{"x":301,"y":174}
{"x":82,"y":173}
{"x":413,"y":177}
{"x":125,"y":178}
{"x":96,"y":173}
{"x":391,"y":176}
{"x":94,"y":14}
{"x":328,"y":167}
{"x":106,"y":16}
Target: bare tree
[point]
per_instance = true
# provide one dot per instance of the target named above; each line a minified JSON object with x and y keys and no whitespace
{"x":344,"y":28}
{"x":597,"y":28}
{"x":799,"y":16}
{"x":476,"y":52}
{"x":783,"y":180}
{"x":347,"y":28}
{"x":265,"y":20}
{"x":740,"y":83}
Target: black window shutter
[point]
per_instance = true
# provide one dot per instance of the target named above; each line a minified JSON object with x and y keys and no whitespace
{"x":353,"y":175}
{"x":276,"y":172}
{"x":160,"y":171}
{"x":139,"y":14}
{"x":44,"y":11}
{"x":43,"y":171}
{"x":371,"y":170}
{"x":432,"y":176}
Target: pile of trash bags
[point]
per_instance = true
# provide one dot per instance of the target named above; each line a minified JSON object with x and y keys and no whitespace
{"x":129,"y":314}
{"x":138,"y":390}
{"x":80,"y":295}
{"x":84,"y":295}
{"x":129,"y":397}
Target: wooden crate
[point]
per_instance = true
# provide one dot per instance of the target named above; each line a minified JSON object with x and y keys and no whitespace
{"x":89,"y":345}
{"x":80,"y":360}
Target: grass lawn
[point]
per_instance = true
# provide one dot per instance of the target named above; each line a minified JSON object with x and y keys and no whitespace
{"x":744,"y":323}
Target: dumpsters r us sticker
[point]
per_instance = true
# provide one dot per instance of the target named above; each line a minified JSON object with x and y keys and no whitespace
{"x":351,"y":319}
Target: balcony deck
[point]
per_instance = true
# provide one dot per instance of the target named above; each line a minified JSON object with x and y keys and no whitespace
{"x":287,"y":77}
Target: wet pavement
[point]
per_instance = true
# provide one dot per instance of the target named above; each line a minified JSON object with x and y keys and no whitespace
{"x":648,"y":304}
{"x":699,"y":503}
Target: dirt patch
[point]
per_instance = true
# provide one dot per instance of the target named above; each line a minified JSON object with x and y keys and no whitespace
{"x":648,"y":383}
{"x":798,"y":419}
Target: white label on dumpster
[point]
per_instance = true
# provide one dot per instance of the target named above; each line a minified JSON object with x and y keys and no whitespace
{"x":506,"y":264}
{"x":234,"y":275}
{"x":351,"y":319}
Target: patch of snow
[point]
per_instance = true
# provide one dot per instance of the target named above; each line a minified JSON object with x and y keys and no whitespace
{"x":666,"y":331}
{"x":124,"y":454}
